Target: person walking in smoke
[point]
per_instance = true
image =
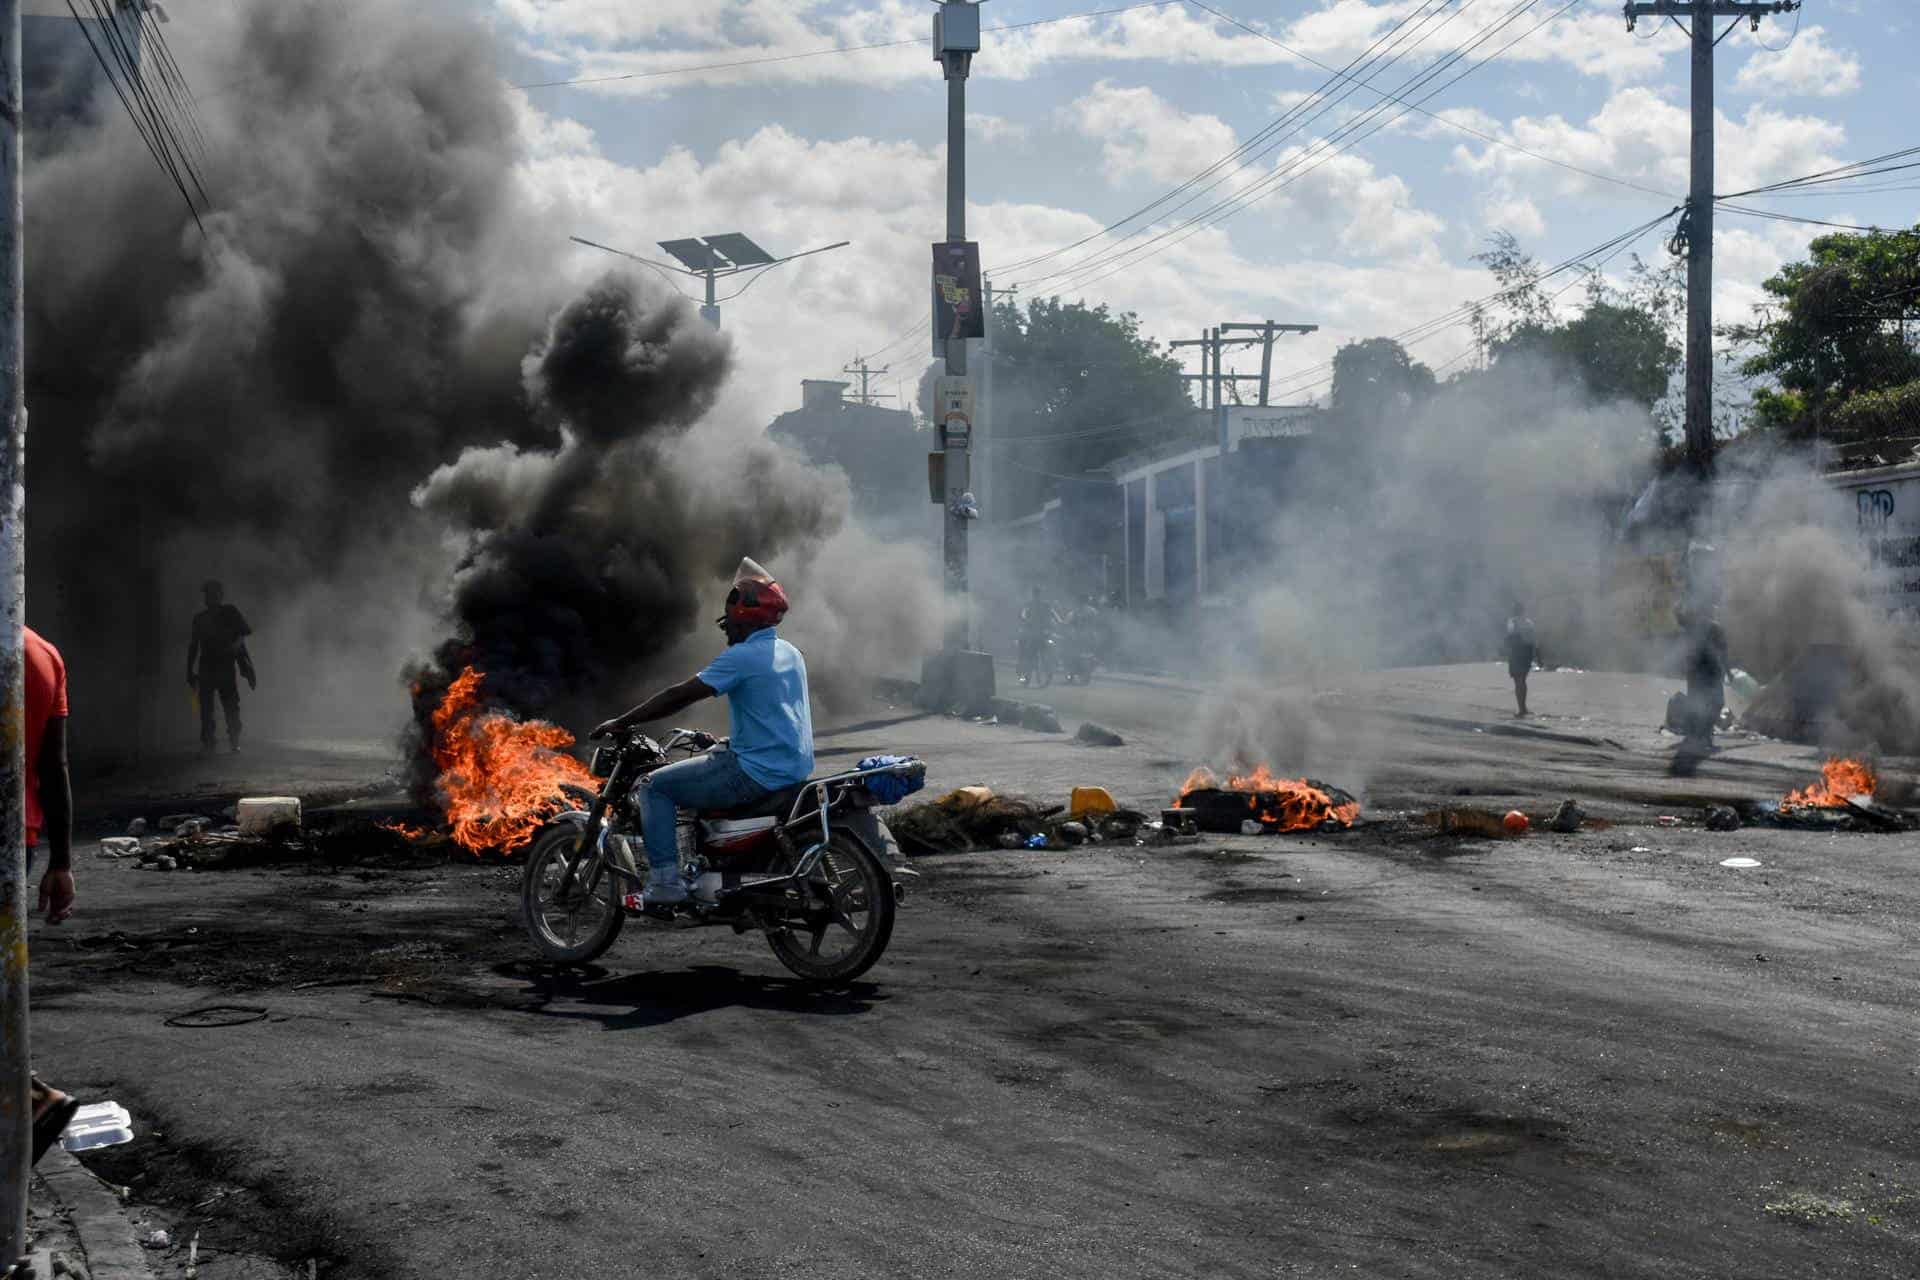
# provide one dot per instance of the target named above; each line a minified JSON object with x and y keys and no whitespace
{"x":1705,"y":666}
{"x":1521,"y":651}
{"x":216,"y":657}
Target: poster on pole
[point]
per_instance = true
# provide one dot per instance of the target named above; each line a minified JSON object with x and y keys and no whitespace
{"x":957,"y":310}
{"x":953,"y":411}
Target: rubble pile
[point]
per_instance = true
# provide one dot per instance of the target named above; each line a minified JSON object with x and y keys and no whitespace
{"x":976,"y":818}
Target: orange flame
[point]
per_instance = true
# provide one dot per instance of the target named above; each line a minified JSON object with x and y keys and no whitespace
{"x":1281,"y":804}
{"x":1840,"y":780}
{"x":500,"y":777}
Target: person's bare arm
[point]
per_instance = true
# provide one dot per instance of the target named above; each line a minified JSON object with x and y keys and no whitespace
{"x":56,"y":804}
{"x":671,"y":700}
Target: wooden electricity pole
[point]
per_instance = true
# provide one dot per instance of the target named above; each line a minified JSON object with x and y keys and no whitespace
{"x":1696,"y":221}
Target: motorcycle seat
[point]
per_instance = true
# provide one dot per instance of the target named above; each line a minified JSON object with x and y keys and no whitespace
{"x":775,"y":804}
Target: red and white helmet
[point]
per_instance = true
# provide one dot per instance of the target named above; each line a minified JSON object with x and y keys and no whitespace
{"x":756,"y":600}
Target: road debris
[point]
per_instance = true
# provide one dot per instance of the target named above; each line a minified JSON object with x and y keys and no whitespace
{"x":120,"y":847}
{"x":975,"y":818}
{"x":1568,"y":817}
{"x":1721,"y":817}
{"x":1094,"y":735}
{"x":1277,"y":804}
{"x":1740,"y":863}
{"x":138,"y":827}
{"x":267,"y":815}
{"x":1516,"y":823}
{"x":1090,"y":802}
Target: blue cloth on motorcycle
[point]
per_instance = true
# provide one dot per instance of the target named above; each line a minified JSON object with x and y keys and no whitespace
{"x":892,"y":788}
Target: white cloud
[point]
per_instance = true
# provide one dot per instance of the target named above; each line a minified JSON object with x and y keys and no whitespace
{"x":661,"y":40}
{"x":988,"y":128}
{"x":1142,"y":133}
{"x":1640,"y":136}
{"x":1808,"y":66}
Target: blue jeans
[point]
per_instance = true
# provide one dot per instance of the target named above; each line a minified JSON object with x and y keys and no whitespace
{"x":712,"y":781}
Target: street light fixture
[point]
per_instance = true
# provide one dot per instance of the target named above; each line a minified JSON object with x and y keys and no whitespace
{"x":714,"y":258}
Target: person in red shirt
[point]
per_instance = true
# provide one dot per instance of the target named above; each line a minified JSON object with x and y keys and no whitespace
{"x":50,"y":814}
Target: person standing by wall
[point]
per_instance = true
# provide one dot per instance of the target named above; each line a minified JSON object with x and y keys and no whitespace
{"x":50,"y":813}
{"x":216,"y":658}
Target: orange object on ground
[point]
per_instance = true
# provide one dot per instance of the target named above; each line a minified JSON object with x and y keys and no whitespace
{"x":1085,"y":800}
{"x":1516,"y":822}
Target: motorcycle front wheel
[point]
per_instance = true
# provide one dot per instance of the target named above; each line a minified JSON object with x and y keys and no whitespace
{"x":836,"y":926}
{"x":569,"y":897}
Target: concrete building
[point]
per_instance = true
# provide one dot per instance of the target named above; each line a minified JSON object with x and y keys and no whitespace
{"x":1190,"y":518}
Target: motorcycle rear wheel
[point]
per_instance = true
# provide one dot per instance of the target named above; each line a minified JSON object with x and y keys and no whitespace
{"x":582,"y":925}
{"x":849,"y":901}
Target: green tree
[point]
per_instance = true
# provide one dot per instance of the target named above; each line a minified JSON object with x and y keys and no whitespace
{"x":1376,"y":382}
{"x":1074,"y":388}
{"x":1836,"y":338}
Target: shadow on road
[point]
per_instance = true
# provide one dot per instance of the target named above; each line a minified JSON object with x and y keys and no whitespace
{"x":627,"y":1001}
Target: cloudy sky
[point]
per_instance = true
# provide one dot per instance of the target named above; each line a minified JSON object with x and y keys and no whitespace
{"x":1354,"y":213}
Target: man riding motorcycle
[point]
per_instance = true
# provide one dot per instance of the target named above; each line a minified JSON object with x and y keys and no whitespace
{"x":764,"y":680}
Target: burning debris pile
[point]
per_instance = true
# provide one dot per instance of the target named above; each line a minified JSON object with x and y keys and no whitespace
{"x":1840,"y":781}
{"x":497,"y":777}
{"x":1271,"y":803}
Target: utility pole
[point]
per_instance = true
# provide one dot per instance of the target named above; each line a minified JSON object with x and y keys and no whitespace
{"x":1696,"y":220}
{"x":16,"y":1107}
{"x":1215,"y":382}
{"x":956,"y":38}
{"x":1268,"y":331}
{"x":862,"y":370}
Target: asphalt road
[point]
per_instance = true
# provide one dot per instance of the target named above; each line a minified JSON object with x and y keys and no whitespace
{"x":1381,"y":1053}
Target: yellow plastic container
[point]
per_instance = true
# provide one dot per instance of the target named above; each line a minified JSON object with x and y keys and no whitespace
{"x":1086,"y":800}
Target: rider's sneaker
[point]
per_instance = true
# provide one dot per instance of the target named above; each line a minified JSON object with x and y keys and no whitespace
{"x":664,"y":901}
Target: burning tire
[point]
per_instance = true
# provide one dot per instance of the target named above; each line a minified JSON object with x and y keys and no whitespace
{"x":569,"y":897}
{"x":839,"y":929}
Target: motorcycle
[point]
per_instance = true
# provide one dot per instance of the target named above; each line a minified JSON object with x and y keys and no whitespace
{"x":1080,"y":665}
{"x":1040,"y":664}
{"x":809,"y":865}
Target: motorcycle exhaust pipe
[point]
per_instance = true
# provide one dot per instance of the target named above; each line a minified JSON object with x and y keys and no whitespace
{"x":899,"y":892}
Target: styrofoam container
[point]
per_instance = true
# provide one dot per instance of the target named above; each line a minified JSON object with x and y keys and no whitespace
{"x":98,"y":1124}
{"x":263,"y":815}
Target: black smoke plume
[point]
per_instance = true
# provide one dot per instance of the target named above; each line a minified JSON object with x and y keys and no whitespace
{"x":595,"y":553}
{"x":365,"y":375}
{"x":255,"y":404}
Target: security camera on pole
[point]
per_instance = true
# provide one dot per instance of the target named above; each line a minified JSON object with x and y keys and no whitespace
{"x":957,"y":676}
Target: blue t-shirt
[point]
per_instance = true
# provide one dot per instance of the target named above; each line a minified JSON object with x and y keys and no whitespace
{"x":764,"y":680}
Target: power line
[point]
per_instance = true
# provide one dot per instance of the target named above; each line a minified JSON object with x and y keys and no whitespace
{"x":1320,"y":153}
{"x":161,"y":141}
{"x":1290,"y":114}
{"x":844,"y":48}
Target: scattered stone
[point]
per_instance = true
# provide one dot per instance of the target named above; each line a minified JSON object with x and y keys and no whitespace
{"x":138,"y":827}
{"x":1098,"y":736}
{"x":165,"y":862}
{"x":120,"y":847}
{"x":173,"y":820}
{"x":266,"y":815}
{"x":1722,"y":817}
{"x":157,"y":1240}
{"x":1040,"y":718}
{"x":1011,"y":840}
{"x":1568,"y":817}
{"x":1073,"y":832}
{"x":193,"y":828}
{"x":1249,"y":827}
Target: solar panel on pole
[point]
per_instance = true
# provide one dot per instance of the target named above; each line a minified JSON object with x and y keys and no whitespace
{"x":739,"y":250}
{"x":694,"y":254}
